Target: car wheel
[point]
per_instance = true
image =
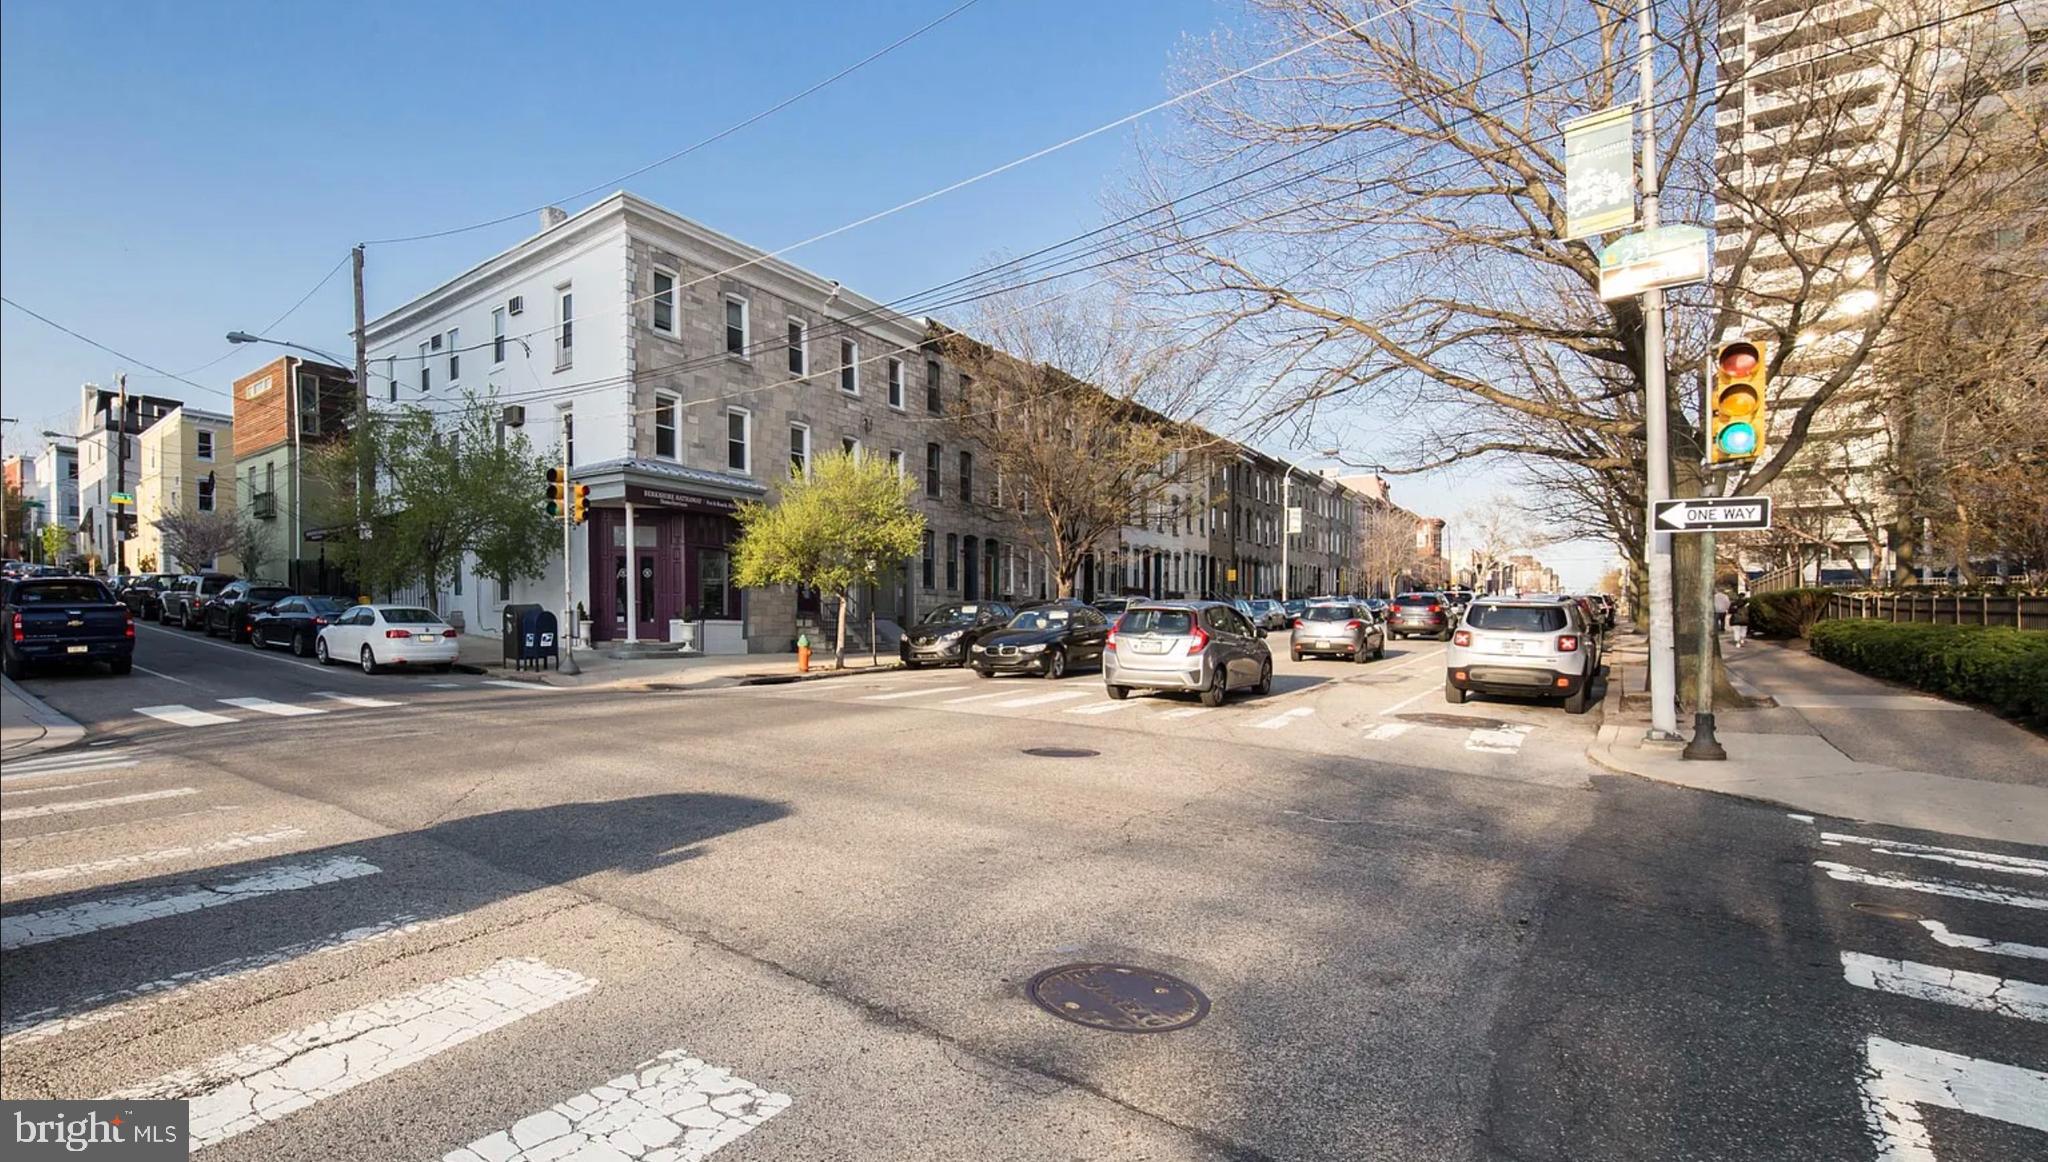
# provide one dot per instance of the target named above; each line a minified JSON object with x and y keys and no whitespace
{"x":369,"y":661}
{"x":121,"y":665}
{"x":443,"y":667}
{"x":1379,"y":651}
{"x":1359,"y":654}
{"x":910,"y":665}
{"x":185,"y":618}
{"x":255,"y":640}
{"x":1056,"y":665}
{"x":320,"y":652}
{"x":979,"y":672}
{"x":1213,"y":694}
{"x":302,"y":643}
{"x":1265,"y":685}
{"x":1296,"y":653}
{"x":1453,"y":695}
{"x":1445,"y":635}
{"x":1117,"y":693}
{"x":15,"y":668}
{"x":1578,"y":702}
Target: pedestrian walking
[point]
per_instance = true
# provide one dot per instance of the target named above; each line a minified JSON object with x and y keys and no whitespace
{"x":1738,"y":621}
{"x":1721,"y":604}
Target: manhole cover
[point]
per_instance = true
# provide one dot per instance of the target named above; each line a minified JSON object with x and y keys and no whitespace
{"x":1887,"y":912}
{"x":1455,"y":721}
{"x":1061,"y":752}
{"x":1119,"y":998}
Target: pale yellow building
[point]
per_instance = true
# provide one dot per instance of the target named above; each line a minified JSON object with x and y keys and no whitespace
{"x":187,"y":465}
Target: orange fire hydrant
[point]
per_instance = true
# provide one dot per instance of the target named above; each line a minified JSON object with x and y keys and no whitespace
{"x":803,"y":654}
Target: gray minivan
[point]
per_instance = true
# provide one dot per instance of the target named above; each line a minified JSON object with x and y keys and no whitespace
{"x":1206,"y":647}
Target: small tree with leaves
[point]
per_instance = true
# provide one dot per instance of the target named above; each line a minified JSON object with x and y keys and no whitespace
{"x":252,"y":545}
{"x":56,"y":540}
{"x":834,"y":530}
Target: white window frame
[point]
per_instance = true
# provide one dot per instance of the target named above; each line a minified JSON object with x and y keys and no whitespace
{"x":896,"y":384}
{"x":565,"y":432}
{"x":202,"y":442}
{"x":805,"y":429}
{"x":803,"y":344}
{"x":426,"y":368}
{"x":655,"y":300}
{"x":206,"y":498}
{"x":454,"y":356}
{"x":849,"y":361}
{"x":746,"y":326}
{"x":852,"y":446}
{"x":746,"y":467}
{"x":896,"y":461}
{"x":497,"y":336}
{"x":565,"y":326}
{"x":673,"y":405}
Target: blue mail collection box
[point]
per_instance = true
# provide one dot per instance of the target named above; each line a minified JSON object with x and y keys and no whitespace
{"x":531,"y":637}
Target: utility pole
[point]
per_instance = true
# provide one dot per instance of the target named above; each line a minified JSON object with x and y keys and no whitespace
{"x":1656,"y":422}
{"x":566,"y":664}
{"x":1286,"y":524}
{"x":114,"y":544}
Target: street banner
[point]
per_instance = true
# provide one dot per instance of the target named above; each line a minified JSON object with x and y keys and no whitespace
{"x":1599,"y":173}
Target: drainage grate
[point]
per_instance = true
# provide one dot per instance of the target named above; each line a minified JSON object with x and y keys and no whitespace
{"x":1455,"y":721}
{"x":1886,"y":911}
{"x":1061,"y":752}
{"x":1119,"y":998}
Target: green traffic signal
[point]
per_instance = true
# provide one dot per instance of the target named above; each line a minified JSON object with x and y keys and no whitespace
{"x":1737,"y":439}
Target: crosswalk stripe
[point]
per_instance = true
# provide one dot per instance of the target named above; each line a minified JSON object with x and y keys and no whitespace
{"x":1943,"y":936}
{"x":1388,"y":730}
{"x":56,"y":1021}
{"x":1042,"y":699}
{"x":1285,"y":718}
{"x":79,"y":769}
{"x":80,"y":760}
{"x":1186,"y":712}
{"x":240,"y":842}
{"x":672,"y":1107}
{"x":1894,"y":847}
{"x":1897,"y":1078}
{"x":19,"y":792}
{"x":357,"y":700}
{"x":1503,"y":740}
{"x":42,"y":809}
{"x":445,"y":685}
{"x":1100,"y":708}
{"x":258,"y":1084}
{"x":31,"y":928}
{"x":183,"y":715}
{"x":912,"y":693}
{"x":15,"y":841}
{"x":975,"y":698}
{"x":1947,"y":986}
{"x":1957,"y":891}
{"x":266,"y":706}
{"x":509,"y":684}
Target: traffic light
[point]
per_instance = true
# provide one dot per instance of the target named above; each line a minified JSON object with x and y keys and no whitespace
{"x":579,"y":503}
{"x":556,"y":487}
{"x":1735,"y":413}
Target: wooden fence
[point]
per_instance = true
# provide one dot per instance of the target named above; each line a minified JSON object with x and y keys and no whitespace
{"x":2022,"y":612}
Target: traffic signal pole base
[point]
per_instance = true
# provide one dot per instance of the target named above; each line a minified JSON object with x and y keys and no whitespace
{"x":1704,"y":746}
{"x":568,"y":663}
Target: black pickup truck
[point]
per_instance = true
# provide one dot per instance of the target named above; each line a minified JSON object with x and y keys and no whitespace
{"x":61,"y":620}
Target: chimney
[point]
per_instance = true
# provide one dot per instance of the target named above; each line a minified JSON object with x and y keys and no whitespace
{"x":551,"y":217}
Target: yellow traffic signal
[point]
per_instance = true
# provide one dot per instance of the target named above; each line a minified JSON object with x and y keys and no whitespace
{"x":556,"y":483}
{"x":579,"y":503}
{"x":1735,"y":412}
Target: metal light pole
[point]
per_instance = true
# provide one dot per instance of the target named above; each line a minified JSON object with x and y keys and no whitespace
{"x":1656,"y":423}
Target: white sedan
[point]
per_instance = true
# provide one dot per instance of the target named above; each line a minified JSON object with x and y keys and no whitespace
{"x":375,"y":636}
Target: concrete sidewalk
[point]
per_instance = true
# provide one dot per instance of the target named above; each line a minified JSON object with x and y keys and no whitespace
{"x":486,"y":653}
{"x":1839,"y":744}
{"x":28,"y":726}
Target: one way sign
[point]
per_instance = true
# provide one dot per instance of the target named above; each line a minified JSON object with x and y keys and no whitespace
{"x":1714,"y":514}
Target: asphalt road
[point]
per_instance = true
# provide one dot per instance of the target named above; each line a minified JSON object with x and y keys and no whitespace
{"x":1426,"y":932}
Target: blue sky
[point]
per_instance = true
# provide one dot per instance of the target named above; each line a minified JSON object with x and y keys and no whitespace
{"x":173,"y":171}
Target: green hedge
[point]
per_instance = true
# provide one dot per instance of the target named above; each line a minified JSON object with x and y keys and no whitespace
{"x":1787,"y":613}
{"x":2005,"y":669}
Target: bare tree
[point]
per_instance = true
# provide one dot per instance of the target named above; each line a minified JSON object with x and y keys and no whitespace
{"x":195,"y":539}
{"x":251,"y":545}
{"x":1385,"y":544}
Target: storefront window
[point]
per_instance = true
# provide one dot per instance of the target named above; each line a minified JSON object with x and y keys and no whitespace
{"x":714,"y":585}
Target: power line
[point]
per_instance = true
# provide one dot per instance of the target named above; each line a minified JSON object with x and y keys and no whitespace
{"x":90,"y":341}
{"x":273,"y":324}
{"x":721,"y":135}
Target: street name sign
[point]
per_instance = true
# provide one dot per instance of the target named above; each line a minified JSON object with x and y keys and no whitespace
{"x":1665,"y":257}
{"x":1707,"y":514}
{"x":122,"y":498}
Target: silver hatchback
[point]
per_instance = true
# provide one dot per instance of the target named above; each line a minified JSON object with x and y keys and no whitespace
{"x":1202,"y":646}
{"x":1531,"y":647}
{"x":1348,"y":631}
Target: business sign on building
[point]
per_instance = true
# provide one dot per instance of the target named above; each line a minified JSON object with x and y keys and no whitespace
{"x":1599,"y":173}
{"x":1665,"y":257}
{"x":670,"y":498}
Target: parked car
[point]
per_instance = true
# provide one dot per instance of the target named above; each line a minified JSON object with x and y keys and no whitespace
{"x":1205,"y":647}
{"x":1295,"y":606}
{"x":143,"y":594}
{"x":1269,"y":615}
{"x":63,"y":620}
{"x":1604,"y":605}
{"x":185,"y":602}
{"x":1342,"y":630}
{"x":1425,"y":614}
{"x":230,"y":610}
{"x":1524,"y":646}
{"x":943,"y":636}
{"x":1112,"y":607}
{"x":294,"y":622}
{"x":1048,"y":638}
{"x":376,"y":636}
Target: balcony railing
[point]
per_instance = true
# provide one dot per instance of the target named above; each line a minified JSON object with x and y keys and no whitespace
{"x":264,"y":505}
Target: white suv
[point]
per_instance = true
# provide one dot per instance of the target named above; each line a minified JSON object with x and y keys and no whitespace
{"x":1531,"y":647}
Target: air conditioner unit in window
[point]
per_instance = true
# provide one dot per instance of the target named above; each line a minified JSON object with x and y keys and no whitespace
{"x":515,"y":415}
{"x":434,"y":343}
{"x":516,"y":305}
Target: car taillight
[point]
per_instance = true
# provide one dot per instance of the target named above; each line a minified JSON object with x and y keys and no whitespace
{"x":1198,"y":639}
{"x":17,"y":627}
{"x":1462,"y":638}
{"x":1109,"y":639}
{"x":248,"y":627}
{"x":1436,"y":609}
{"x":1297,"y":623}
{"x":397,"y":633}
{"x":127,"y":624}
{"x":1354,"y":623}
{"x":447,"y":633}
{"x":319,"y":621}
{"x":1567,"y":643}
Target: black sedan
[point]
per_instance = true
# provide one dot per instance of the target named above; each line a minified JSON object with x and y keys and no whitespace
{"x":1049,"y":638}
{"x":943,"y":636}
{"x":295,"y":622}
{"x":231,"y":611}
{"x":143,"y":593}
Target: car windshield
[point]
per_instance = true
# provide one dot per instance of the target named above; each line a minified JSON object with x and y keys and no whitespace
{"x":1327,"y":613}
{"x":1041,"y":619}
{"x":1418,"y":599}
{"x":1517,"y":618}
{"x":326,"y":604}
{"x":58,"y":593}
{"x":276,"y":593}
{"x":215,"y":584}
{"x":952,"y":615}
{"x":1174,"y":621}
{"x":409,"y":616}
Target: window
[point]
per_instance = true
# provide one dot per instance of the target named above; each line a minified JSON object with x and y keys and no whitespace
{"x":426,"y":372}
{"x":932,"y":455}
{"x":850,"y":446}
{"x":205,"y":445}
{"x":391,"y":377}
{"x":498,"y":335}
{"x":967,"y":476}
{"x":736,"y":326}
{"x":952,"y":561}
{"x":738,"y":423}
{"x":849,"y":367}
{"x":895,"y":383}
{"x":799,"y":347}
{"x":932,"y":402}
{"x":664,"y":302}
{"x":928,"y":564}
{"x":206,"y":493}
{"x":995,"y":487}
{"x":896,"y":462}
{"x":565,"y":327}
{"x":665,"y":409}
{"x":799,"y":450}
{"x":454,"y":357}
{"x":568,"y":422}
{"x":714,"y":583}
{"x":269,"y":475}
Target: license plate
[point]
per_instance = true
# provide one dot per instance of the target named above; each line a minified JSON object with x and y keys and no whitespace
{"x":1511,"y":647}
{"x":76,"y":649}
{"x":430,"y":637}
{"x":1151,"y":647}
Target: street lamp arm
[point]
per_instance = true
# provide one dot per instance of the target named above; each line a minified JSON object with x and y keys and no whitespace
{"x":246,"y":337}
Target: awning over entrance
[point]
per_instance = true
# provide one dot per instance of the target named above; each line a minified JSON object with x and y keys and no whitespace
{"x":663,"y":484}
